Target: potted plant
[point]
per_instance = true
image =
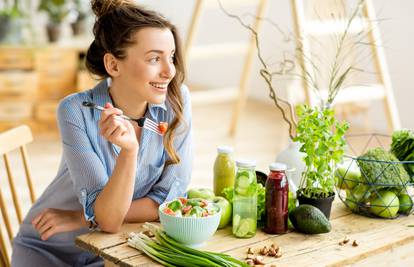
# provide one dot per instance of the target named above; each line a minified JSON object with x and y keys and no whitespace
{"x":323,"y":142}
{"x":320,"y":135}
{"x":57,"y":11}
{"x":81,"y":10}
{"x":10,"y":22}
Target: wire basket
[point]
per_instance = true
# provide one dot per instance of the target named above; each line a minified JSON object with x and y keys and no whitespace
{"x":372,"y":187}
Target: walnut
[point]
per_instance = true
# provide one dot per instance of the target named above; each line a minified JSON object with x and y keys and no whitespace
{"x":272,"y":252}
{"x":264,"y":251}
{"x":259,"y":260}
{"x":250,"y":257}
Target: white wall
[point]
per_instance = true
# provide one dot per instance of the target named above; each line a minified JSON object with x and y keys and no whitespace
{"x":397,"y":33}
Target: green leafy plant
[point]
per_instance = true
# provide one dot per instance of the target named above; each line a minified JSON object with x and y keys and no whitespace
{"x":402,"y":147}
{"x":57,"y":10}
{"x":323,"y":142}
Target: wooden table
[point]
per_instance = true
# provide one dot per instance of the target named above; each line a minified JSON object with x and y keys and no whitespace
{"x":381,"y":243}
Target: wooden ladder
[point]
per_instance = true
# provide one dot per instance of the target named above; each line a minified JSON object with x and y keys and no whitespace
{"x":381,"y":90}
{"x":237,"y":93}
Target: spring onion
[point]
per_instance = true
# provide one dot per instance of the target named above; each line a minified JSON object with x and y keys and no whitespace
{"x":168,"y":252}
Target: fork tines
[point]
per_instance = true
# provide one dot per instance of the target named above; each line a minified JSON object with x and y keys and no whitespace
{"x":152,"y":126}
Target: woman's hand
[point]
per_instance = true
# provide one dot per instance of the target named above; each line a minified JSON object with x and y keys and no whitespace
{"x":117,"y":130}
{"x":53,"y":221}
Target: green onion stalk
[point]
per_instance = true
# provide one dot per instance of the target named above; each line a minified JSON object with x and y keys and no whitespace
{"x":168,"y":252}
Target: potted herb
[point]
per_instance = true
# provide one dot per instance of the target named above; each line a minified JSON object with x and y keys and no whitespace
{"x":57,"y":10}
{"x":10,"y":22}
{"x":323,"y":142}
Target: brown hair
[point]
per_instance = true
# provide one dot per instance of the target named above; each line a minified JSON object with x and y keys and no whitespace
{"x":116,"y":22}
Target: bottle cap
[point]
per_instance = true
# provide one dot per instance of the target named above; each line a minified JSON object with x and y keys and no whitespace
{"x":224,"y":150}
{"x":243,"y":163}
{"x":277,"y":166}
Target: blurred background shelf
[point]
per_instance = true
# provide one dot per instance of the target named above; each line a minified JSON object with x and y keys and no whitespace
{"x":34,"y":79}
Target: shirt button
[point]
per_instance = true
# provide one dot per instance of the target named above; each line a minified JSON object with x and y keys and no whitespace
{"x":177,"y":183}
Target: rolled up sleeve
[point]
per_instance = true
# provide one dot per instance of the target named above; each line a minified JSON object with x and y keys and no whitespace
{"x":86,"y":170}
{"x":176,"y":177}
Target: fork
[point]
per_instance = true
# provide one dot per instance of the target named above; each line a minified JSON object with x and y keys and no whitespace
{"x":142,"y":122}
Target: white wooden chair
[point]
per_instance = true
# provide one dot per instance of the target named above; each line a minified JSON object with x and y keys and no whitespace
{"x":11,"y":140}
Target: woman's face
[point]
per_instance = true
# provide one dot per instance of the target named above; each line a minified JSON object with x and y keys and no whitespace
{"x":148,"y":66}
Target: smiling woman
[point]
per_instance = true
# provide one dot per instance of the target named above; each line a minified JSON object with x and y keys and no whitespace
{"x":112,"y":171}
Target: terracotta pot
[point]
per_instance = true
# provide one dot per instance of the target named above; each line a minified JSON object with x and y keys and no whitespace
{"x":53,"y":31}
{"x":78,"y":27}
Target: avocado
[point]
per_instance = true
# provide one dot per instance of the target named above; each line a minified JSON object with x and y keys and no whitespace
{"x":309,"y":220}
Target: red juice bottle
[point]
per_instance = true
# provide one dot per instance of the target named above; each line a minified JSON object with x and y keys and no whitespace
{"x":277,"y":191}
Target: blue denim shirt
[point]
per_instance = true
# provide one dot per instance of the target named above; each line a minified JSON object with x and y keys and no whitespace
{"x":89,"y":159}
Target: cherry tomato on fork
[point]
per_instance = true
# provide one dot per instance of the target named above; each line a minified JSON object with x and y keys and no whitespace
{"x":163,"y":126}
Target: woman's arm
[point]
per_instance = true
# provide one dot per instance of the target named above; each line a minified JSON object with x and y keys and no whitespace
{"x":113,"y":202}
{"x":142,"y":210}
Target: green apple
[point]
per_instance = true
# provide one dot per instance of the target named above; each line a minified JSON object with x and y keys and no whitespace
{"x":204,"y":193}
{"x":226,"y":210}
{"x":406,"y":203}
{"x":347,"y":175}
{"x":385,"y":205}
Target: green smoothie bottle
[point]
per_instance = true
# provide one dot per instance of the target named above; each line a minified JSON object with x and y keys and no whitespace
{"x":245,"y":200}
{"x":224,"y":170}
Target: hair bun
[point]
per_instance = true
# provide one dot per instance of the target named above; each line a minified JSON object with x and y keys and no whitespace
{"x":102,"y":7}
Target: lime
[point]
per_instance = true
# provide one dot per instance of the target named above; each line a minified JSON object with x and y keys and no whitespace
{"x":246,"y":227}
{"x":236,"y":220}
{"x":243,"y":228}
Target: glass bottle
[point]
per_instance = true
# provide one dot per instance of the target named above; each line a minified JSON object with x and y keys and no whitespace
{"x":224,"y":170}
{"x":245,"y":200}
{"x":277,"y":191}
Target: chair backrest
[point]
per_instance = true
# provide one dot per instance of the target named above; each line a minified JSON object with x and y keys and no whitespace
{"x":13,"y":140}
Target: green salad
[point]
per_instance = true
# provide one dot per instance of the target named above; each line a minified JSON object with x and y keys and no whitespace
{"x":195,"y":208}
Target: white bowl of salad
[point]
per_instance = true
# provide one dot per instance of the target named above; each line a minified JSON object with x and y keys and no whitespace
{"x":190,"y":221}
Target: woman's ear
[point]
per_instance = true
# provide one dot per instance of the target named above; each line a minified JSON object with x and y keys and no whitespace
{"x":111,"y":65}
